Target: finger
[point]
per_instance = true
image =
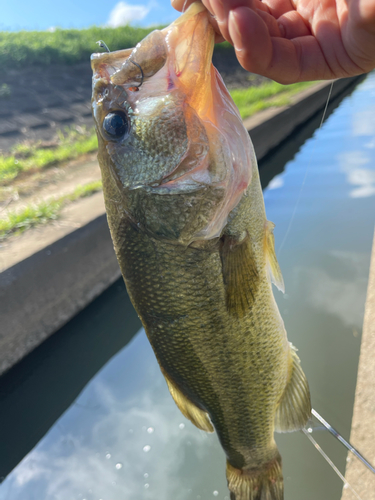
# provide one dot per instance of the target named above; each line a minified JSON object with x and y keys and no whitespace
{"x":279,"y":7}
{"x":208,"y":6}
{"x":359,"y":34}
{"x":249,"y":32}
{"x":221,"y":9}
{"x":271,"y":23}
{"x":292,"y":25}
{"x":181,"y":5}
{"x":283,"y":60}
{"x":218,"y":36}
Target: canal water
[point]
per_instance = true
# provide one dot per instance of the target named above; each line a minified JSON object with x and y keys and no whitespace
{"x":88,"y":414}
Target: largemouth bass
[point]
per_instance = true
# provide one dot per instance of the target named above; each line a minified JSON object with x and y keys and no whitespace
{"x":188,"y":223}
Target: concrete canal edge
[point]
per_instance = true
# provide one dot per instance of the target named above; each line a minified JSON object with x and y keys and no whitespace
{"x":51,"y":273}
{"x":362,"y":434}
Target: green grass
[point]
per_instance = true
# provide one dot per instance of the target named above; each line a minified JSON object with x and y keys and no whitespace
{"x":33,"y":215}
{"x":250,"y":101}
{"x":63,"y":46}
{"x":71,"y":144}
{"x":82,"y":191}
{"x":68,"y":46}
{"x":17,"y":222}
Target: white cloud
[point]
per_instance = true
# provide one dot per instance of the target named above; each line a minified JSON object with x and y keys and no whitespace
{"x":124,"y":13}
{"x":351,"y":163}
{"x":79,"y":464}
{"x":342,"y":296}
{"x":370,"y":144}
{"x":276,"y":182}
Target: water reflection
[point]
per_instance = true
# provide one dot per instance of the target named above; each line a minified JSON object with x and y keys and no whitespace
{"x":124,"y":438}
{"x":121,"y":439}
{"x":352,"y":162}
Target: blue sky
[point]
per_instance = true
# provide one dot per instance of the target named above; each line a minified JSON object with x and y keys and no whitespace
{"x":44,"y":14}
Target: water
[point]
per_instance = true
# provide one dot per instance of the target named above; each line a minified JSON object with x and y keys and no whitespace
{"x":120,"y":435}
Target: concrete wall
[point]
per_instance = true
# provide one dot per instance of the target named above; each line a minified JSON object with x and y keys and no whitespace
{"x":42,"y":292}
{"x":362,"y":434}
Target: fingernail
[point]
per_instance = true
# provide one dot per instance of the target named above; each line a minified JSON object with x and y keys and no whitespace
{"x":218,"y":10}
{"x":234,"y":30}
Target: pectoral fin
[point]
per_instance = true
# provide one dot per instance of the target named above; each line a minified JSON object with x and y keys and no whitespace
{"x":240,"y":274}
{"x":197,"y":416}
{"x":273,"y":265}
{"x":294,"y":409}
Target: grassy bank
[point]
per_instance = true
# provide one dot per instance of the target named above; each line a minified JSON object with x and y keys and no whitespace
{"x":68,"y":145}
{"x":35,"y":214}
{"x":254,"y":99}
{"x":62,"y":46}
{"x":67,"y":46}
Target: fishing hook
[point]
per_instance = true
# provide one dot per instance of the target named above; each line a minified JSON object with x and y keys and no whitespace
{"x":142,"y":77}
{"x":103,"y":45}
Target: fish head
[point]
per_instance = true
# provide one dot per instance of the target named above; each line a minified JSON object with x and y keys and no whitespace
{"x":170,"y":137}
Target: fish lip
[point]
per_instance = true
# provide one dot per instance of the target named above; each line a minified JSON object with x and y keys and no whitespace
{"x":100,"y":58}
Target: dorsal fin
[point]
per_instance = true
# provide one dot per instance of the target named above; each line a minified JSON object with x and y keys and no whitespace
{"x":240,"y":274}
{"x":273,"y":265}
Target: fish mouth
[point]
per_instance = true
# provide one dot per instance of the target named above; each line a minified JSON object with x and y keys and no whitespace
{"x":186,"y":46}
{"x":132,"y":66}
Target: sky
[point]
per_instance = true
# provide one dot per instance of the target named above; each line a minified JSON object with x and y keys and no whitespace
{"x":44,"y":14}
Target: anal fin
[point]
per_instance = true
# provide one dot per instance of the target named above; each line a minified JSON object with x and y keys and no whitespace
{"x":197,"y":416}
{"x":294,"y":409}
{"x":240,"y":274}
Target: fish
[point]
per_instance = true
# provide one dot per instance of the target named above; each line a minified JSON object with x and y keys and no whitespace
{"x":187,"y":219}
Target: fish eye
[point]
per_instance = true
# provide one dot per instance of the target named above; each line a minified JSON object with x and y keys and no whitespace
{"x":115,"y":124}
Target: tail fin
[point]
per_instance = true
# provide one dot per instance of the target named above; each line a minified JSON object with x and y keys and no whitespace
{"x":263,"y":483}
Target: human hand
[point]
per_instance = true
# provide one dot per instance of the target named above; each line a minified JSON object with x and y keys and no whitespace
{"x":297,"y":40}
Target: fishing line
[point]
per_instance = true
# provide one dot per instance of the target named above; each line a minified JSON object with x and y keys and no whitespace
{"x":326,"y":457}
{"x":338,"y":436}
{"x":305,"y":177}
